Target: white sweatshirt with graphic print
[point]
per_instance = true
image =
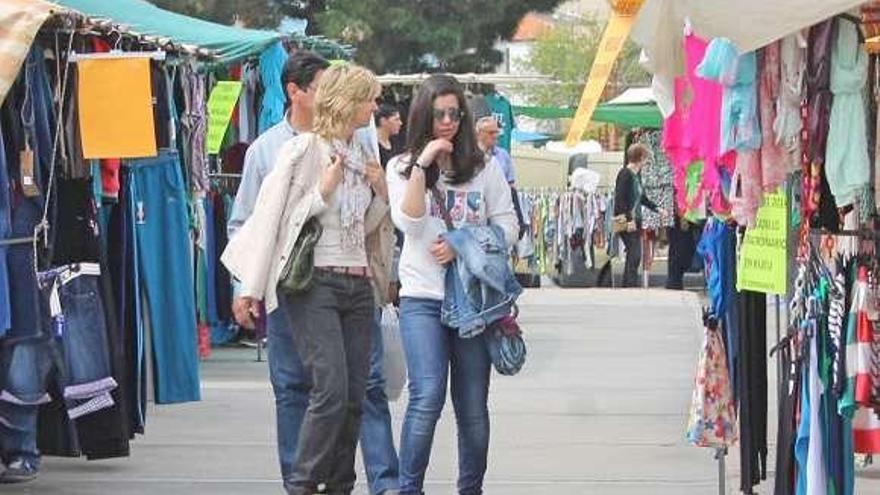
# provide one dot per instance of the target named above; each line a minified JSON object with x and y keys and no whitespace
{"x":485,"y":199}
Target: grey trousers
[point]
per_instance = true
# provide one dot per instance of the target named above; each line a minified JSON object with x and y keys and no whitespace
{"x":333,"y":322}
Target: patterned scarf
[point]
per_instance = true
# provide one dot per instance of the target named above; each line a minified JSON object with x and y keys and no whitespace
{"x":356,"y":196}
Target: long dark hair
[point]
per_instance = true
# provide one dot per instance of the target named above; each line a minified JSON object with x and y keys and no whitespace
{"x":467,"y":159}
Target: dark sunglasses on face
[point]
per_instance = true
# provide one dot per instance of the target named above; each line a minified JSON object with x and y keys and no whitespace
{"x":453,"y":113}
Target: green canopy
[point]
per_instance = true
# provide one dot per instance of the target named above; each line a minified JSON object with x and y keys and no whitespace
{"x":629,"y":115}
{"x":227,"y":43}
{"x":545,"y":112}
{"x":622,"y":114}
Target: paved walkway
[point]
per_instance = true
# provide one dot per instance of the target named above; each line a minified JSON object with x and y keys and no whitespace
{"x":600,"y":409}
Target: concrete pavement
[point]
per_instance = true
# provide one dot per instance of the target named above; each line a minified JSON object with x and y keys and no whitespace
{"x":600,"y":409}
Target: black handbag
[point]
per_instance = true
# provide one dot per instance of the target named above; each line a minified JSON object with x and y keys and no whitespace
{"x":298,"y":272}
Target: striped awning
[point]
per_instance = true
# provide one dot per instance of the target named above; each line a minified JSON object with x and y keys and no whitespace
{"x":19,"y":22}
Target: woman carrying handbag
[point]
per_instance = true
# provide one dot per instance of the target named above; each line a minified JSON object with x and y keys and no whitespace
{"x":309,"y":241}
{"x":441,"y":155}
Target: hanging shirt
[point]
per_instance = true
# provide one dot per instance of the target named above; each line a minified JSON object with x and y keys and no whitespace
{"x":693,"y":133}
{"x":271,"y":66}
{"x":847,"y":166}
{"x":503,"y":112}
{"x":861,"y":368}
{"x":817,"y":477}
{"x":774,"y":159}
{"x":788,"y":124}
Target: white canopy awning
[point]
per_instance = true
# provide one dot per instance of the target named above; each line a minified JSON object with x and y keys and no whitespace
{"x":470,"y":78}
{"x":634,"y":96}
{"x":750,"y":24}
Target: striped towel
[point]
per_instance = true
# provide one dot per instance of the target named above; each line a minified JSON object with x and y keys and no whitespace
{"x":19,"y":22}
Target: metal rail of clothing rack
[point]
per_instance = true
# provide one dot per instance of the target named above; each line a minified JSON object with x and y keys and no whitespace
{"x":220,"y":175}
{"x":16,"y":241}
{"x":864,"y":233}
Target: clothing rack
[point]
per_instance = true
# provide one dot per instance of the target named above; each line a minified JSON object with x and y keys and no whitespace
{"x":224,"y":176}
{"x":865,"y":233}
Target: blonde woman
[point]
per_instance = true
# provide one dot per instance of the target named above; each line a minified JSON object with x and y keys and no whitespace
{"x":327,"y":175}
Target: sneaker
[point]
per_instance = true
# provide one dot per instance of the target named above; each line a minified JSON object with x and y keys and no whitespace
{"x":19,"y":471}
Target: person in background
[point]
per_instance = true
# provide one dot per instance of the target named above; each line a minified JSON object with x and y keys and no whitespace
{"x":487,"y":139}
{"x":290,"y":382}
{"x":629,"y":197}
{"x":441,"y":153}
{"x":488,"y":132}
{"x":388,"y":126}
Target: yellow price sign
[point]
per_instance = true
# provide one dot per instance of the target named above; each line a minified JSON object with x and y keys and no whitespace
{"x":763,"y":262}
{"x":221,"y":103}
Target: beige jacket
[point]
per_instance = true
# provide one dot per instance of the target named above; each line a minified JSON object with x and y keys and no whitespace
{"x":259,"y":251}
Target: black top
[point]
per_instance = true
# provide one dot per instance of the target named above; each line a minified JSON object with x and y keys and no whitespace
{"x":627,"y":191}
{"x":386,"y":154}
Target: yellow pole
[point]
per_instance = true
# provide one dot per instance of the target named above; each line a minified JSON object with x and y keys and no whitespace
{"x":613,"y":39}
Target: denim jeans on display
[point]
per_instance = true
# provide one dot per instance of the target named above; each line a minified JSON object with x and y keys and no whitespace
{"x":25,"y":371}
{"x":77,"y":319}
{"x":5,"y":233}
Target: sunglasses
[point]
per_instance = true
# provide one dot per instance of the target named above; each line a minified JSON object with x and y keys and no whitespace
{"x":453,"y":113}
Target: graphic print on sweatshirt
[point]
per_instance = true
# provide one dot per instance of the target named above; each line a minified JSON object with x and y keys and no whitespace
{"x":465,"y":207}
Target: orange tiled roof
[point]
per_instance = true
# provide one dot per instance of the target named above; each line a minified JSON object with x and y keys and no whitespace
{"x":531,"y":26}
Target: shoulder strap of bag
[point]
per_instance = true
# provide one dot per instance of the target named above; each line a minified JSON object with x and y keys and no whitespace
{"x":438,"y":198}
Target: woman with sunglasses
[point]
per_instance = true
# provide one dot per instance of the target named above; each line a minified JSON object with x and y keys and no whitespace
{"x":442,"y":161}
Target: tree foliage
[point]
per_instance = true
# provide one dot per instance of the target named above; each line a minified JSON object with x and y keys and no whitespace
{"x":416,"y":35}
{"x":390,"y":35}
{"x":566,"y":52}
{"x":250,"y":13}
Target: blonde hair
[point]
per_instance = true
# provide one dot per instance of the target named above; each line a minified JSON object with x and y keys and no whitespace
{"x":340,"y":90}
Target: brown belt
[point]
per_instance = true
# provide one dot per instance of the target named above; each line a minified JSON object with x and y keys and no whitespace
{"x":351,"y":271}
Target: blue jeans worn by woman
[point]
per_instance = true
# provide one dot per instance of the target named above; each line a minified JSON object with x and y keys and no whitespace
{"x":431,"y":351}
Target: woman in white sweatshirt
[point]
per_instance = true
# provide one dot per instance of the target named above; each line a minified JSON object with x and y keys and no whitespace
{"x":442,"y":153}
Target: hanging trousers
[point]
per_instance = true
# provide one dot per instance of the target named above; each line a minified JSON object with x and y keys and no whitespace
{"x":158,"y":199}
{"x":752,"y":388}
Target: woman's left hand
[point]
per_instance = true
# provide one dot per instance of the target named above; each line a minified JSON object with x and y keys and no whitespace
{"x":376,"y":178}
{"x":442,"y":252}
